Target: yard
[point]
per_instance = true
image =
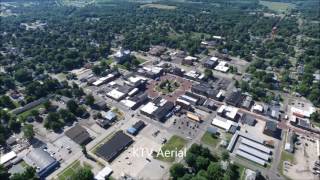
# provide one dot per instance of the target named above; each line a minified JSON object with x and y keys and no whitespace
{"x":24,"y":115}
{"x":210,"y":139}
{"x":175,"y":143}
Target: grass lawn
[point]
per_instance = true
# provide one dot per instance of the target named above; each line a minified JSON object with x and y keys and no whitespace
{"x":175,"y":143}
{"x":71,"y":169}
{"x":278,"y":6}
{"x":241,"y":170}
{"x":158,"y":6}
{"x":210,"y":139}
{"x":27,"y":113}
{"x":24,"y":164}
{"x":68,"y":171}
{"x":167,"y":86}
{"x":286,"y":156}
{"x":228,"y":136}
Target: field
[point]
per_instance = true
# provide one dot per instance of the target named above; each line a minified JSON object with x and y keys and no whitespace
{"x":209,"y":139}
{"x":175,"y":143}
{"x":279,"y":7}
{"x":158,"y":6}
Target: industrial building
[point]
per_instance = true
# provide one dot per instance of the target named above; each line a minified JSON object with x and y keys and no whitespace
{"x":42,"y":161}
{"x":112,"y":148}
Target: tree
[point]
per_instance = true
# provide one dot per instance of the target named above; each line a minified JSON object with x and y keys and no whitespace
{"x":202,"y":163}
{"x":215,"y":172}
{"x":84,"y":173}
{"x":208,"y":73}
{"x":89,"y":100}
{"x":315,"y":116}
{"x":6,"y":102}
{"x":67,"y":116}
{"x":177,"y":170}
{"x":29,"y":174}
{"x":47,"y":105}
{"x":28,"y":131}
{"x":53,"y":121}
{"x":4,"y":175}
{"x":225,"y":155}
{"x":72,"y":106}
{"x":14,"y":125}
{"x":84,"y":150}
{"x":22,"y":75}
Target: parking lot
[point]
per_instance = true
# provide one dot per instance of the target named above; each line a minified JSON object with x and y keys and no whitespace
{"x":304,"y":159}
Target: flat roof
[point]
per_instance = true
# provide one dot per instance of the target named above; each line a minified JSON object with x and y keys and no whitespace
{"x":229,"y":111}
{"x":7,"y":157}
{"x":78,"y":134}
{"x":112,"y":148}
{"x":149,"y":108}
{"x":105,"y":172}
{"x":188,"y":98}
{"x":115,"y":94}
{"x":223,"y":123}
{"x":128,"y":103}
{"x":183,"y":101}
{"x":39,"y":159}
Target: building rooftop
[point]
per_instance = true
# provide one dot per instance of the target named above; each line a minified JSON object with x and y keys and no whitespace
{"x":78,"y":134}
{"x":228,"y":111}
{"x":41,"y":160}
{"x":112,"y":148}
{"x":110,"y":115}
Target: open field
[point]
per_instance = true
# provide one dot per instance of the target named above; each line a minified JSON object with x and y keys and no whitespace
{"x":175,"y":143}
{"x":158,"y":6}
{"x":279,"y":7}
{"x":210,"y":139}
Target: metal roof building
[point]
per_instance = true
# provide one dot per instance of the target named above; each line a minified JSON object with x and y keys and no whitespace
{"x":254,"y":152}
{"x":250,"y":157}
{"x":256,"y":145}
